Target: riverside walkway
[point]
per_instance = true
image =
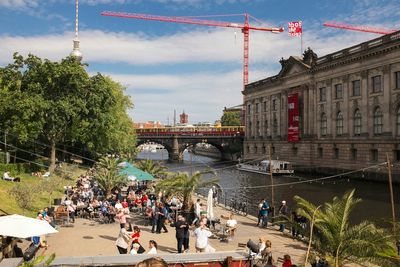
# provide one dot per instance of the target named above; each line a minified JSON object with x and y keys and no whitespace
{"x":90,"y":238}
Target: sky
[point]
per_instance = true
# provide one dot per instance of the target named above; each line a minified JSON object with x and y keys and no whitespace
{"x":191,"y":68}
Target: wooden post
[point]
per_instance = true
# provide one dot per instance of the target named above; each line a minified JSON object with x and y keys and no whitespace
{"x":272,"y":180}
{"x":389,"y":165}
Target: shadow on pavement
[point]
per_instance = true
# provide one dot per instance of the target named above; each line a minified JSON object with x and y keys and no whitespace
{"x":108,"y":237}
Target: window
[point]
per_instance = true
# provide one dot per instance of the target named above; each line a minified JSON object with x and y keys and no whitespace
{"x":356,"y":88}
{"x":376,"y":84}
{"x":273,"y":150}
{"x":324,"y":124}
{"x":338,"y":91}
{"x":274,"y":105}
{"x":357,"y":122}
{"x":320,"y":152}
{"x":397,"y":79}
{"x":398,"y":121}
{"x":257,"y":107}
{"x":248,"y":149}
{"x":266,"y":127}
{"x":354,"y":154}
{"x":374,"y":154}
{"x":396,"y":155}
{"x":322,"y":94}
{"x":339,"y":123}
{"x":378,"y":121}
{"x":258,"y":129}
{"x":275,"y":125}
{"x":249,"y":109}
{"x":336,"y":153}
{"x":265,"y":106}
{"x":264,"y":150}
{"x":255,"y":149}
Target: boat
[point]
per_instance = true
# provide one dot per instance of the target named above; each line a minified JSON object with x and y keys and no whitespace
{"x":263,"y":167}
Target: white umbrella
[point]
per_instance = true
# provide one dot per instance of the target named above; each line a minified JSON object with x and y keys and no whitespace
{"x":23,"y":227}
{"x":210,"y":205}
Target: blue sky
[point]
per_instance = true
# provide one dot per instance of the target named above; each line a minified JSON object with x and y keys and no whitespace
{"x":167,"y":66}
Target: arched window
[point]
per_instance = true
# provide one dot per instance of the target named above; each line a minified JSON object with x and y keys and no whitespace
{"x":324,"y":124}
{"x":339,"y":123}
{"x":378,"y":121}
{"x":398,"y":121}
{"x":357,"y":122}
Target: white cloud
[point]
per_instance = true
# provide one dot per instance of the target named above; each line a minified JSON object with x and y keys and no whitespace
{"x":202,"y":94}
{"x":19,"y":4}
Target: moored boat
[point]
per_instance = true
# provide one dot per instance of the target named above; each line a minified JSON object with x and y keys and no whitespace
{"x":263,"y":167}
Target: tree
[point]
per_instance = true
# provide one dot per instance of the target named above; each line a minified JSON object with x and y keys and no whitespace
{"x":184,"y":186}
{"x":155,"y":169}
{"x":231,"y":118}
{"x":58,"y":103}
{"x":340,"y":242}
{"x":107,"y":176}
{"x":51,"y":185}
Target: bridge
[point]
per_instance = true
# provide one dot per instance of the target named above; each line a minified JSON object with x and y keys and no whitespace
{"x":227,"y":139}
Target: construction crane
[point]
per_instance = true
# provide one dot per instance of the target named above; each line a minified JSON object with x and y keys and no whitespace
{"x":245,"y":27}
{"x":359,"y":28}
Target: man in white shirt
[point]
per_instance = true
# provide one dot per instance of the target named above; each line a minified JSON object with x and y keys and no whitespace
{"x":202,"y":234}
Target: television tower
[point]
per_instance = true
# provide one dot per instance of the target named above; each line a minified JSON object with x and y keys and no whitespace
{"x":76,"y":51}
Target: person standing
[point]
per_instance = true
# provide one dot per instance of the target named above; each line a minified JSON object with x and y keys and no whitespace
{"x":202,"y":234}
{"x":182,"y":233}
{"x":162,"y":213}
{"x":264,"y":214}
{"x":123,"y":240}
{"x":259,"y":212}
{"x":283,"y":212}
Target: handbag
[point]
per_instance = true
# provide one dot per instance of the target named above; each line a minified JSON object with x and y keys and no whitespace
{"x":141,"y":249}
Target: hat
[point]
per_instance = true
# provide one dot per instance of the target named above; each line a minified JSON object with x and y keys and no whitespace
{"x":136,"y":245}
{"x":283,"y":202}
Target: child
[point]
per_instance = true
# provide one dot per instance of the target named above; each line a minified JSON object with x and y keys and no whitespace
{"x":287,"y":262}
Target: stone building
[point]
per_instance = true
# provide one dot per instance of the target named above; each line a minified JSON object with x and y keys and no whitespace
{"x":348,"y":104}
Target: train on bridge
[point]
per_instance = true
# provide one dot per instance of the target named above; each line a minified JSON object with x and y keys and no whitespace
{"x":190,"y":130}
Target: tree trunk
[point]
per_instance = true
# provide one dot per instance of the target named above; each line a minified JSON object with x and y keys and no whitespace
{"x":52,"y":157}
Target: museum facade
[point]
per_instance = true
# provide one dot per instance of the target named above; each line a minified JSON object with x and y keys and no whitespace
{"x":333,"y":113}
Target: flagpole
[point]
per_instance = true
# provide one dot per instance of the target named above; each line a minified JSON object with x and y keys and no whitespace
{"x":301,"y":38}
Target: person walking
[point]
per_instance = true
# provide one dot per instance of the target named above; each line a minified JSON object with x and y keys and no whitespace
{"x":123,"y":240}
{"x":202,"y":234}
{"x":283,"y":213}
{"x":182,"y":233}
{"x":259,"y":221}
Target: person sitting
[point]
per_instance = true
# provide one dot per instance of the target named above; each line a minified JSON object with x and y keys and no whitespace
{"x":7,"y":177}
{"x":152,"y":247}
{"x":231,"y":224}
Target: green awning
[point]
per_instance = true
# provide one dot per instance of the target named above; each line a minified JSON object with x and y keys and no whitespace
{"x":134,"y":173}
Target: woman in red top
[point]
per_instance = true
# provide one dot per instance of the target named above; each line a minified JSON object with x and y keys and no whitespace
{"x":136,"y":234}
{"x":287,"y":262}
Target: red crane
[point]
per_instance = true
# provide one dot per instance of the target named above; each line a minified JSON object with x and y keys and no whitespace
{"x":359,"y":28}
{"x":245,"y":27}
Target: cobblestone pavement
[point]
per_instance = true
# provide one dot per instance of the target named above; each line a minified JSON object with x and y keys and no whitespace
{"x":89,"y":237}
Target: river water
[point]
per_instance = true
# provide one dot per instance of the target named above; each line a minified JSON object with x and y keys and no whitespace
{"x":251,"y":187}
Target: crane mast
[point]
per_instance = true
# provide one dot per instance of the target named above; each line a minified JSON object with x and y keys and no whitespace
{"x":246,"y":27}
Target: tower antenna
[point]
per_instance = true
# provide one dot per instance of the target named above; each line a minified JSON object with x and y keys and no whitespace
{"x":76,"y":53}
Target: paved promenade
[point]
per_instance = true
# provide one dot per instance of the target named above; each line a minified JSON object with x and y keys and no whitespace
{"x":89,"y":238}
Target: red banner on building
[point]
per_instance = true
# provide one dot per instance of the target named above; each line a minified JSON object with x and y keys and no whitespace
{"x":294,"y":28}
{"x":293,"y":118}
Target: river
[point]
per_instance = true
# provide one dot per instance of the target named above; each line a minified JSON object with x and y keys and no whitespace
{"x":251,"y":187}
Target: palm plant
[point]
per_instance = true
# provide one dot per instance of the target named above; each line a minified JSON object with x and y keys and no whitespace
{"x":339,"y":242}
{"x":184,"y":185}
{"x":107,"y":175}
{"x":152,"y":167}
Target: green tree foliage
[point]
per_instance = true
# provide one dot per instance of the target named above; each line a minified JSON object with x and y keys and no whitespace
{"x":39,"y":261}
{"x":231,"y":118}
{"x":340,"y":242}
{"x":184,"y":185}
{"x":107,"y":175}
{"x":58,"y":103}
{"x":154,"y":168}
